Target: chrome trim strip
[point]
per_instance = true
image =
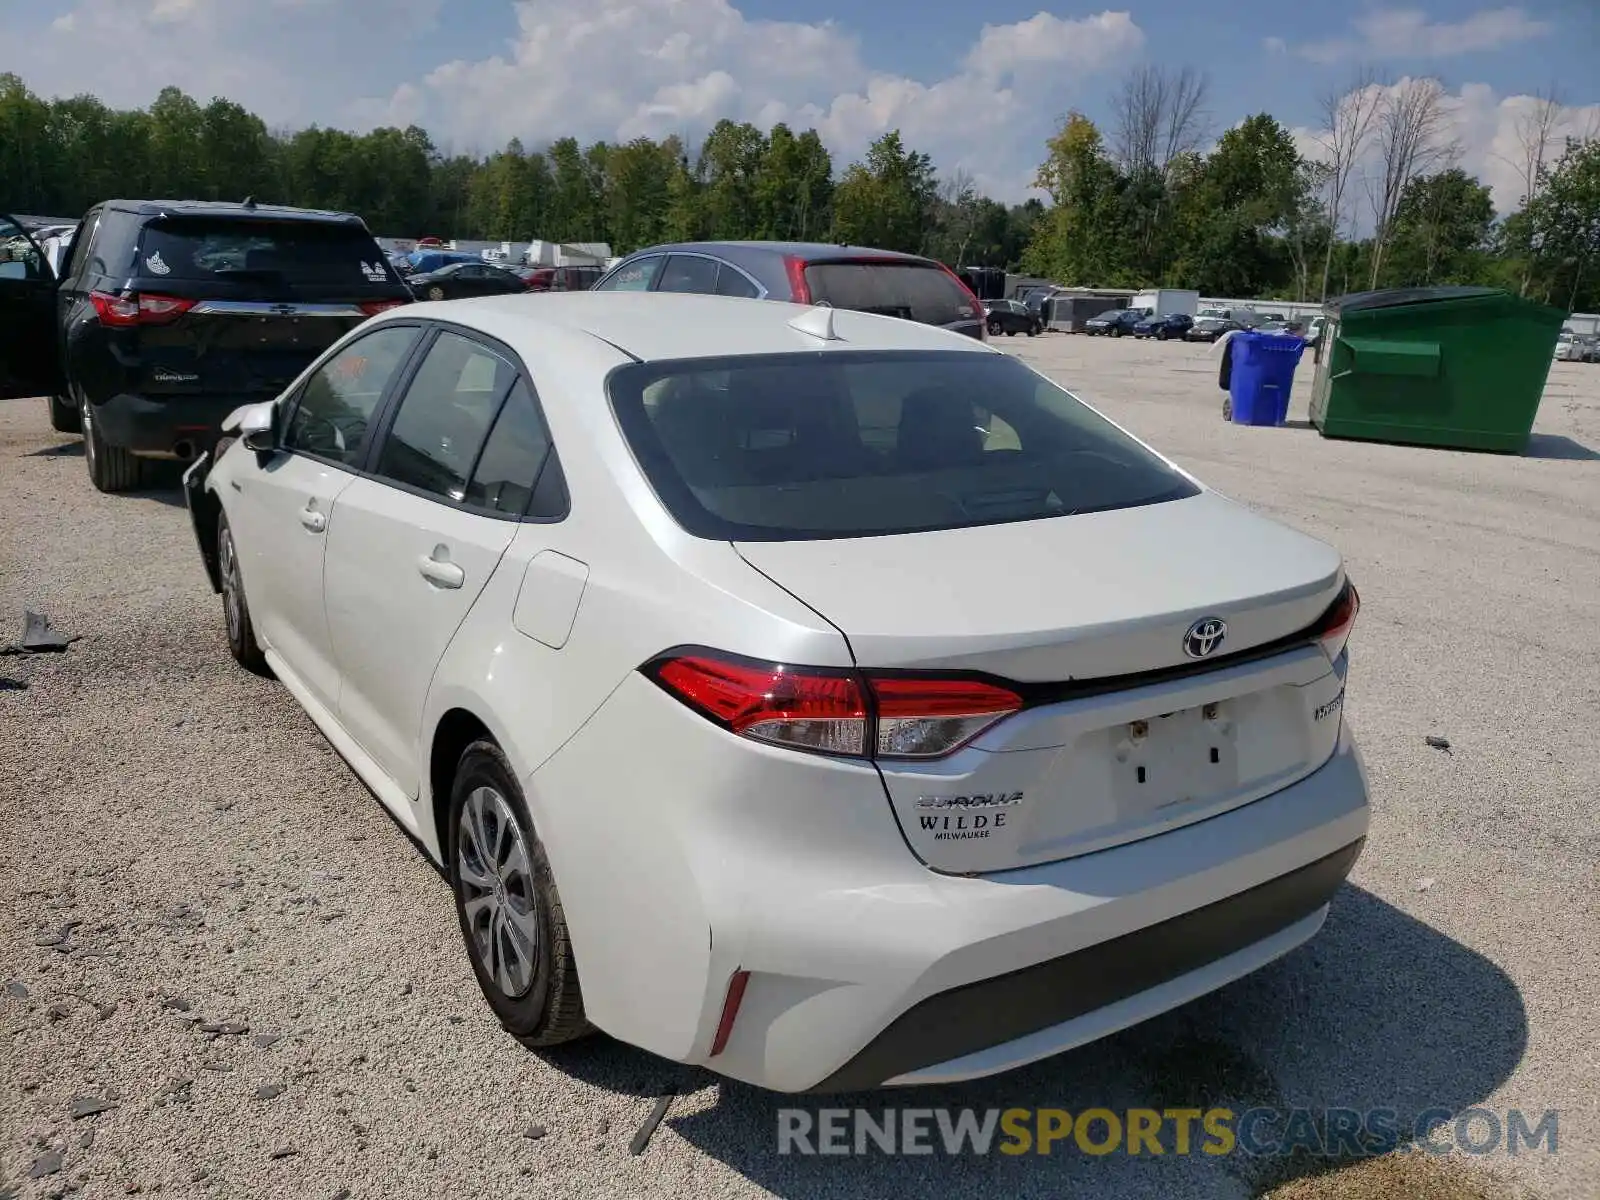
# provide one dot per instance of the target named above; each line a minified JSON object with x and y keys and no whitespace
{"x":260,"y":308}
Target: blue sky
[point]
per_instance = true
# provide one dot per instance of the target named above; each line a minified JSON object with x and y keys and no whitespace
{"x":978,"y":86}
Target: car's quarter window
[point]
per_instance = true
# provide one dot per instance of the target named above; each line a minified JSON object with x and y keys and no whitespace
{"x":689,"y":273}
{"x":331,"y":415}
{"x":917,"y":291}
{"x":634,"y":276}
{"x":512,"y":457}
{"x":733,"y":282}
{"x":444,"y":417}
{"x":852,"y":444}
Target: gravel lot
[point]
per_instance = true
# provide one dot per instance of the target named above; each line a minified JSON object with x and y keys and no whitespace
{"x":256,"y":968}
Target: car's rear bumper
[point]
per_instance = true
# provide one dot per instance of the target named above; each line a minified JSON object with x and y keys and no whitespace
{"x":180,"y":427}
{"x":700,"y":855}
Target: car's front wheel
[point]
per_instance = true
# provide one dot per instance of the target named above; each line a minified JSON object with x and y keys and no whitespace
{"x":235,"y":611}
{"x":507,"y":904}
{"x":435,"y":292}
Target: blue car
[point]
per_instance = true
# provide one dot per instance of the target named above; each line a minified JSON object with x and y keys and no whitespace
{"x":1173,"y":325}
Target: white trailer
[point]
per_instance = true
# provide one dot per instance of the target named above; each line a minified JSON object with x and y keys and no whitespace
{"x":1165,"y":302}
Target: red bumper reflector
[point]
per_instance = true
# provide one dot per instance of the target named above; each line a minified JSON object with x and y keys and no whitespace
{"x":730,"y":1011}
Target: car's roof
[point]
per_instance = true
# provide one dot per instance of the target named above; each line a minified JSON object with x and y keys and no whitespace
{"x":222,"y":208}
{"x":653,"y":326}
{"x":806,"y":251}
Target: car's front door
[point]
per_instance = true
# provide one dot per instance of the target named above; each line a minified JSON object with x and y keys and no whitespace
{"x":30,"y":360}
{"x":413,"y":544}
{"x":283,"y":511}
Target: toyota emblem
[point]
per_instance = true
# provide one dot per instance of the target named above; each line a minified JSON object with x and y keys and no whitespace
{"x":1204,"y":636}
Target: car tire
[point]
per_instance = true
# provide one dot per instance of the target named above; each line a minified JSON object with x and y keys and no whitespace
{"x":534,"y":989}
{"x":1116,"y":331}
{"x":994,"y":329}
{"x":111,"y":468}
{"x":1162,"y":335}
{"x":435,"y":292}
{"x":64,"y":415}
{"x":1033,"y":331}
{"x":241,"y":630}
{"x":1011,"y":333}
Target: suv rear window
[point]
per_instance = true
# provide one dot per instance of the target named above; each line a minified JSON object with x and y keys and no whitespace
{"x":805,"y":446}
{"x":302,"y":252}
{"x":916,"y":291}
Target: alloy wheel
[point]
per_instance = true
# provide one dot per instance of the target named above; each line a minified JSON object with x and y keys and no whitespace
{"x":88,"y":431}
{"x":498,"y":895}
{"x":232,"y":598}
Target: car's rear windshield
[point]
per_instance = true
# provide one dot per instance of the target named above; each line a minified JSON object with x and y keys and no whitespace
{"x":296,"y":252}
{"x":913,"y":290}
{"x":861,"y":443}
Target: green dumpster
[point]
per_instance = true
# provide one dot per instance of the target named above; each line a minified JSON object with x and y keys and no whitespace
{"x":1462,"y":367}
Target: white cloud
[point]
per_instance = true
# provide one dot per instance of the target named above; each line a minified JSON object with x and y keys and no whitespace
{"x":1488,"y":131}
{"x":612,"y":69}
{"x":1408,"y":33}
{"x":1274,"y":45}
{"x":676,"y":66}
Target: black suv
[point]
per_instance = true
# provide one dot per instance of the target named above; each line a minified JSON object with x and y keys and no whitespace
{"x":169,"y":314}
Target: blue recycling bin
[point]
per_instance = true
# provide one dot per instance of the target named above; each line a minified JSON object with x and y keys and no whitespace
{"x":1262,"y":376}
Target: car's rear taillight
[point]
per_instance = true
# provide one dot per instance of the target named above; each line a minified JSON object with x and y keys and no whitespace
{"x":929,"y":718}
{"x":1332,"y":631}
{"x":799,"y":285}
{"x":836,"y":711}
{"x":373,"y":307}
{"x":132,"y":308}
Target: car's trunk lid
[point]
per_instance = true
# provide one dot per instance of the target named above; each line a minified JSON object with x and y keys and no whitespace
{"x":1126,"y":732}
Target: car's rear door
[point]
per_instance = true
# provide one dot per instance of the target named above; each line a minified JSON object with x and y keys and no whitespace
{"x":30,"y":363}
{"x":283,"y":509}
{"x":418,"y":536}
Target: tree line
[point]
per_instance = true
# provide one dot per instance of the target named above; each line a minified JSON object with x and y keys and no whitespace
{"x":1150,"y":200}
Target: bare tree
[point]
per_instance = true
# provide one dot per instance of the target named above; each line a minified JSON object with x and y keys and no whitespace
{"x":1535,"y":131}
{"x":1413,"y":128}
{"x":1157,"y":115}
{"x":959,"y":192}
{"x":1347,"y":119}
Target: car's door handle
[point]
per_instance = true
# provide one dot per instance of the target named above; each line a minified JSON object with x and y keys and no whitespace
{"x":313,"y":520}
{"x":438,"y":570}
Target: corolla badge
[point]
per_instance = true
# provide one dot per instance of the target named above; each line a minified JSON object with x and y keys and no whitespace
{"x":1204,"y":636}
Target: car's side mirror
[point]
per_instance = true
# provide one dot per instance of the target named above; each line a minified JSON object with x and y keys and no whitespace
{"x":256,"y":429}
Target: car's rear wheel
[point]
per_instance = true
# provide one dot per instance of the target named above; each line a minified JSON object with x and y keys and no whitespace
{"x":111,"y":468}
{"x":1116,"y":331}
{"x":1162,"y":335}
{"x":64,"y":416}
{"x":507,"y":904}
{"x":235,"y":611}
{"x":435,"y":292}
{"x":994,"y":328}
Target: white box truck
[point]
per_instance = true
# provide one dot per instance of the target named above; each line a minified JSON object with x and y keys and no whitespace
{"x":1164,"y":302}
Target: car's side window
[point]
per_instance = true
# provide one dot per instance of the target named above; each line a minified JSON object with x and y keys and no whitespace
{"x":336,"y":404}
{"x":635,"y":276}
{"x":445,"y":416}
{"x":733,"y":282}
{"x":19,"y":257}
{"x":82,"y":239}
{"x":689,"y":273}
{"x":513,"y":457}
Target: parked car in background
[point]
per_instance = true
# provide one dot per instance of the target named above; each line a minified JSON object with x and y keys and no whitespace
{"x":854,"y":277}
{"x":1174,"y":325}
{"x":1209,"y":329}
{"x":1011,"y":318}
{"x":1116,"y":323}
{"x":170,"y":314}
{"x":559,"y":279}
{"x":677,"y":645}
{"x":454,"y":281}
{"x":1576,"y":347}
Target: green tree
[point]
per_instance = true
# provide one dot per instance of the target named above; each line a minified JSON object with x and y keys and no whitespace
{"x":1563,"y":228}
{"x":888,"y":200}
{"x":1441,"y":231}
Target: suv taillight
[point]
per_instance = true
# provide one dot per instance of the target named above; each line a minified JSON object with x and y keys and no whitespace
{"x":1332,"y":630}
{"x":373,"y":307}
{"x":835,"y":711}
{"x":131,"y":309}
{"x":795,"y":268}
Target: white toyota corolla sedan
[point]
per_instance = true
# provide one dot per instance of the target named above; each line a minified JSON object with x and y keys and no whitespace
{"x":819,"y":697}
